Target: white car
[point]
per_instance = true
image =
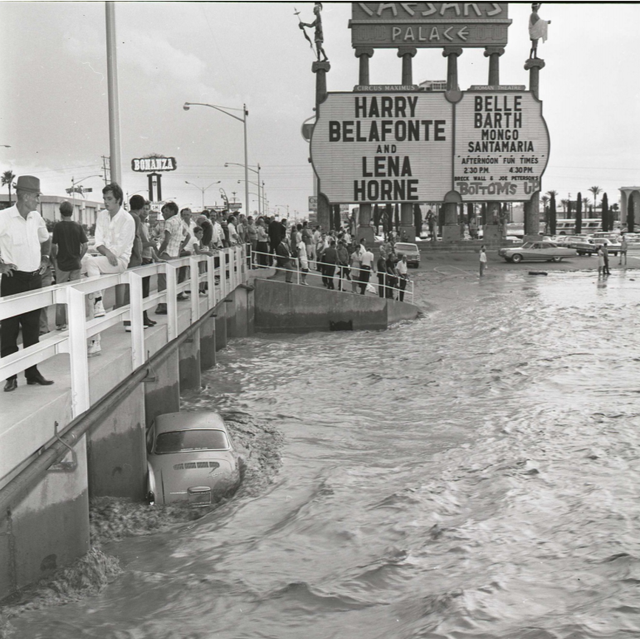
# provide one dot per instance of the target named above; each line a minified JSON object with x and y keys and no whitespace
{"x":191,"y":459}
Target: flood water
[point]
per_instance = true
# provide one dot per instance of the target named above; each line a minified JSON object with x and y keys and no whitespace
{"x":475,"y":473}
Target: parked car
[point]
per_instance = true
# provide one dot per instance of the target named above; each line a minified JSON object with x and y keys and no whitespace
{"x":543,"y":251}
{"x":410,"y":250}
{"x":191,"y":459}
{"x":613,"y":245}
{"x":583,"y":245}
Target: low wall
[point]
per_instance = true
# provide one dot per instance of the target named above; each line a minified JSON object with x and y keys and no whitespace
{"x":292,"y":308}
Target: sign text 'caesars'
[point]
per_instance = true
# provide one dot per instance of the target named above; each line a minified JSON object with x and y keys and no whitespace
{"x":429,"y":24}
{"x":148,"y":165}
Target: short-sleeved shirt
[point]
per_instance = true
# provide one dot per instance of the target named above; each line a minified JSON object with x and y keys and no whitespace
{"x":177,"y":232}
{"x":20,"y":239}
{"x":69,"y":237}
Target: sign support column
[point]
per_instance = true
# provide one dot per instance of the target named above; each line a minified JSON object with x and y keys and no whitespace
{"x":321,"y":68}
{"x":407,"y":228}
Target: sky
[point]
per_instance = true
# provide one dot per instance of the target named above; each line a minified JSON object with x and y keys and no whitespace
{"x":53,"y":96}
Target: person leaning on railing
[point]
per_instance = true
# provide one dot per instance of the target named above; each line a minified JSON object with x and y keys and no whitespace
{"x":262,"y":244}
{"x":24,"y":246}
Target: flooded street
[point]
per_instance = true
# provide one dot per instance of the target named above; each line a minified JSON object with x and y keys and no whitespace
{"x":472,"y":474}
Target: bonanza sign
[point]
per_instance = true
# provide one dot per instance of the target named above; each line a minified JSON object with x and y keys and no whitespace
{"x":416,"y":147}
{"x":148,"y":165}
{"x":429,"y":24}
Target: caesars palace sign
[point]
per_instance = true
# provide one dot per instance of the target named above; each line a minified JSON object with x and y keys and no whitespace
{"x":429,"y":24}
{"x":417,"y":146}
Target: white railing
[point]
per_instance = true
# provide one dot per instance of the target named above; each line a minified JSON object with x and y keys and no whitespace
{"x":231,"y":272}
{"x":390,"y":291}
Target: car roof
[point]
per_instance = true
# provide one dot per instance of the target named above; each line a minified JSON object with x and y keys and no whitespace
{"x":406,"y":245}
{"x":189,"y":421}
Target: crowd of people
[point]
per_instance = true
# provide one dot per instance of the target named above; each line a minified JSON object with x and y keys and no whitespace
{"x":130,"y":236}
{"x":125,"y":237}
{"x":336,"y":255}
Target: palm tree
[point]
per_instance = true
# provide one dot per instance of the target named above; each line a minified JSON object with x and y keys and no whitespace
{"x":586,"y":201}
{"x":7,"y":180}
{"x":565,"y":206}
{"x":595,"y":190}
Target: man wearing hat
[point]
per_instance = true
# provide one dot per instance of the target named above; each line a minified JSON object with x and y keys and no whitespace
{"x":24,"y":251}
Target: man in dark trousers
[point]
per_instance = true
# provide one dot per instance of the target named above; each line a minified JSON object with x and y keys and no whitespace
{"x":69,"y":247}
{"x":329,"y":259}
{"x":275,"y":234}
{"x":24,"y":247}
{"x":284,"y":259}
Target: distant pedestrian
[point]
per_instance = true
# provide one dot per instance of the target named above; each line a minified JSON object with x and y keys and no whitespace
{"x":366,"y":266}
{"x":483,"y":260}
{"x":69,"y":245}
{"x":262,"y":245}
{"x":402,"y":271}
{"x":605,"y":253}
{"x":624,"y":246}
{"x":283,"y":256}
{"x":304,"y":263}
{"x":329,"y":261}
{"x":600,"y":262}
{"x":343,"y":264}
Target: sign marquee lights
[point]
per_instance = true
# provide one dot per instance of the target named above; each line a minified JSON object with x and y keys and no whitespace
{"x":416,"y":147}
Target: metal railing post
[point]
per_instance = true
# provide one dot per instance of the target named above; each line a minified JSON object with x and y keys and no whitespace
{"x":136,"y":318}
{"x":211,"y":280}
{"x":79,"y":366}
{"x":171,"y":301}
{"x":194,"y":272}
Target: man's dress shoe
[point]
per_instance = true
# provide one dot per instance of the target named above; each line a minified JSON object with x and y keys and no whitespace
{"x":11,"y":384}
{"x":38,"y":379}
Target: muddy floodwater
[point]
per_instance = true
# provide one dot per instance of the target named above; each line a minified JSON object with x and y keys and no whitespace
{"x":472,"y":474}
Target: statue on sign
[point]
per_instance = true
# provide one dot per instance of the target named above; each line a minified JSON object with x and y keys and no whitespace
{"x":318,"y":35}
{"x":537,"y":29}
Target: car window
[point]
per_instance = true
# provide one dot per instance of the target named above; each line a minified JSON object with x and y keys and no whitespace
{"x":406,"y":247}
{"x":187,"y":440}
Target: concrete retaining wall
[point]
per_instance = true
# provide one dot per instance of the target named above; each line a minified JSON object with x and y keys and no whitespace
{"x":293,"y":308}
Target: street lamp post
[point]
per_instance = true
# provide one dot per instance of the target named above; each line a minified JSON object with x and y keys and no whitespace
{"x":200,"y":188}
{"x":186,"y":106}
{"x":74,"y":186}
{"x":260,"y":208}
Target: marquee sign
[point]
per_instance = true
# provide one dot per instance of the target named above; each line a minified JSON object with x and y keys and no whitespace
{"x":149,"y":165}
{"x":383,"y":148}
{"x":416,"y":147}
{"x":429,"y":24}
{"x":501,"y":147}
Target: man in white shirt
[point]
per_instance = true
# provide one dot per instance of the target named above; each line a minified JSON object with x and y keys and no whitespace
{"x":24,"y":246}
{"x":366,"y":264}
{"x":115,"y":234}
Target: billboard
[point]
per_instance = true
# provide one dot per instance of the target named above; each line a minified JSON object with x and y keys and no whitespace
{"x":416,"y":147}
{"x":429,"y":24}
{"x":392,"y":147}
{"x":501,"y":146}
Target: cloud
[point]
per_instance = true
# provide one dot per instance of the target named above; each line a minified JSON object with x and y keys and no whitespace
{"x":155,"y":56}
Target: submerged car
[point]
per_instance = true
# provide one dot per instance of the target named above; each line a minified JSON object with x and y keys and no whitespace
{"x":542,"y":251}
{"x":410,"y":250}
{"x":191,"y":459}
